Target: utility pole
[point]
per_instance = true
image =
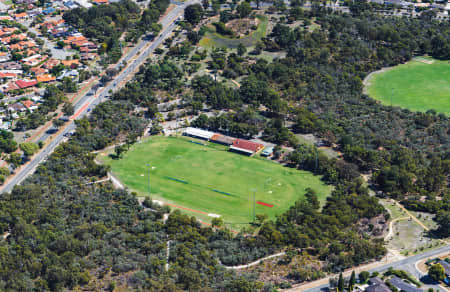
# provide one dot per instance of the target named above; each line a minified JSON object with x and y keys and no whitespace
{"x":317,"y":159}
{"x":176,"y":124}
{"x":391,"y":95}
{"x":148,"y":177}
{"x":254,"y":205}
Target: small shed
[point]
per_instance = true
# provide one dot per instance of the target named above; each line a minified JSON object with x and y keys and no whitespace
{"x":267,"y":151}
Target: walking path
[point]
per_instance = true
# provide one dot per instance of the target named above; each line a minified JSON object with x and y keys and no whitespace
{"x":391,"y":227}
{"x":254,"y":263}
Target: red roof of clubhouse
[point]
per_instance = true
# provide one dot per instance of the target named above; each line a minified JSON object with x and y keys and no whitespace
{"x":247,"y":145}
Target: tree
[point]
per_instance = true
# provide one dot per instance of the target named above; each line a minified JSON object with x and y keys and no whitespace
{"x":364,"y":276}
{"x":119,"y":149}
{"x":217,"y":222}
{"x":241,"y":49}
{"x":352,"y":281}
{"x":340,"y":285}
{"x":29,"y":148}
{"x":58,"y":123}
{"x":15,"y":159}
{"x":244,"y":9}
{"x":437,"y":272}
{"x":260,"y":218}
{"x":443,"y":219}
{"x":68,"y":85}
{"x":68,"y":109}
{"x":60,"y":44}
{"x":193,"y":13}
{"x":205,"y":4}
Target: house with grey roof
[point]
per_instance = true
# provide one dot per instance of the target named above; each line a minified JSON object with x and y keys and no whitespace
{"x":377,"y":285}
{"x":403,"y":286}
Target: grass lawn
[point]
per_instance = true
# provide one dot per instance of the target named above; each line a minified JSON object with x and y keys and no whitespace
{"x":215,"y":40}
{"x":202,"y":169}
{"x":415,"y":85}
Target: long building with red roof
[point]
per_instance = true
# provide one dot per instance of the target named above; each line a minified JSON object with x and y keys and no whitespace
{"x":245,"y":146}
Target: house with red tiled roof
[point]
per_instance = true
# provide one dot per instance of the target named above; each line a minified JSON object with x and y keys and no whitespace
{"x":38,"y":70}
{"x":30,"y":105}
{"x":71,"y":63}
{"x":10,"y":87}
{"x":25,"y":83}
{"x":45,"y":78}
{"x":15,"y":47}
{"x":20,"y":37}
{"x":7,"y":75}
{"x":50,"y":63}
{"x":88,"y":56}
{"x":27,"y":44}
{"x":6,"y":17}
{"x":19,"y":16}
{"x":9,"y":30}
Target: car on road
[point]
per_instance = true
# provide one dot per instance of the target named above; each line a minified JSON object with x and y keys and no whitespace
{"x":52,"y":130}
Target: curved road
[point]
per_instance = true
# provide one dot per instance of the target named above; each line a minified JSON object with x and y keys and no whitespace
{"x":89,"y":101}
{"x":322,"y":285}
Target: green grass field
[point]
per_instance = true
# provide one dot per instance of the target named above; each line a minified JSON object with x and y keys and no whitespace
{"x":215,"y":40}
{"x":415,"y":85}
{"x":208,"y":168}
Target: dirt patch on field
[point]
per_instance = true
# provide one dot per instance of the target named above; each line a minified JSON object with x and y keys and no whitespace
{"x":423,"y":60}
{"x":368,"y":79}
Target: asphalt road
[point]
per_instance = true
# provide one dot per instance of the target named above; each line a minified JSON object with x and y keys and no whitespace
{"x":401,"y":264}
{"x":86,"y":103}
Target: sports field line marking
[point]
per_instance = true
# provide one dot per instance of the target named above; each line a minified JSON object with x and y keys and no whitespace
{"x":264,"y":204}
{"x":186,"y":209}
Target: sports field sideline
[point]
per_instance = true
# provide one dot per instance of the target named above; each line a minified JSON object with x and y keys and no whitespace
{"x":209,"y":179}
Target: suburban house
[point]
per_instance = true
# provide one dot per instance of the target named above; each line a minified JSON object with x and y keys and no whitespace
{"x":403,"y":286}
{"x":45,"y":78}
{"x":10,"y":66}
{"x":72,"y":74}
{"x":446,"y":266}
{"x":16,"y":107}
{"x":377,"y":285}
{"x":25,"y":83}
{"x":50,"y":63}
{"x":30,"y":105}
{"x":4,"y":56}
{"x":71,"y":63}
